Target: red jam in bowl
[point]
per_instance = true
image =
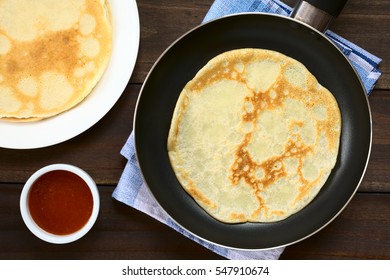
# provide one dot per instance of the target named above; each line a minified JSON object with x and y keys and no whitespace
{"x":60,"y":202}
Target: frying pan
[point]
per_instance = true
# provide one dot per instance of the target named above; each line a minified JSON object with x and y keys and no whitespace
{"x":179,"y":64}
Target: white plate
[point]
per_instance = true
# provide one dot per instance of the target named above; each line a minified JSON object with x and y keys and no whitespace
{"x":126,"y":33}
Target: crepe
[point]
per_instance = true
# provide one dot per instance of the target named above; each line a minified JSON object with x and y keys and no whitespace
{"x":254,"y":136}
{"x":52,"y":54}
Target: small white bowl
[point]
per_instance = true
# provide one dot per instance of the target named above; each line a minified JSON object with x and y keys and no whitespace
{"x":39,"y":232}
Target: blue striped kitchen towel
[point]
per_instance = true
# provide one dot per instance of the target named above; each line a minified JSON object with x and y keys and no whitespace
{"x":133,"y":191}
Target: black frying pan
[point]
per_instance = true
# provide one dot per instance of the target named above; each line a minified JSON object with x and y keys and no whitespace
{"x":185,"y":58}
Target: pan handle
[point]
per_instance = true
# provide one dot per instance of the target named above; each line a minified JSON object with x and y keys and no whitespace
{"x":318,"y":13}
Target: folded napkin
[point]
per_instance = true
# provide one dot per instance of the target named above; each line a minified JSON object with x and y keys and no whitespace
{"x":133,"y":191}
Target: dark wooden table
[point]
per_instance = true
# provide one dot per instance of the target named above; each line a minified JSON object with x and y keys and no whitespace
{"x":361,"y":231}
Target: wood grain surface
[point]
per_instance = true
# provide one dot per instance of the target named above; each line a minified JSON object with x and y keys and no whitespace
{"x":361,"y":231}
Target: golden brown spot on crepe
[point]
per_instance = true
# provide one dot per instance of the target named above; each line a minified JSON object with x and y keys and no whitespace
{"x":32,"y":57}
{"x":239,"y":217}
{"x":201,"y":197}
{"x":18,"y":65}
{"x":306,"y":186}
{"x":277,"y":213}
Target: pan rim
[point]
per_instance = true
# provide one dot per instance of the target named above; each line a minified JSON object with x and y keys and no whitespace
{"x":323,"y":36}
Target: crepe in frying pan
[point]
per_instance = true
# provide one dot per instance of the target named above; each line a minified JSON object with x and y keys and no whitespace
{"x":254,"y":136}
{"x":52,"y":54}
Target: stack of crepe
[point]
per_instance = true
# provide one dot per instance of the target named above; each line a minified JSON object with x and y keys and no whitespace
{"x":52,"y":54}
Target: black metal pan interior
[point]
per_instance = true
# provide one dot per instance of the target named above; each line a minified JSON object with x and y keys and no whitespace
{"x":181,"y":62}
